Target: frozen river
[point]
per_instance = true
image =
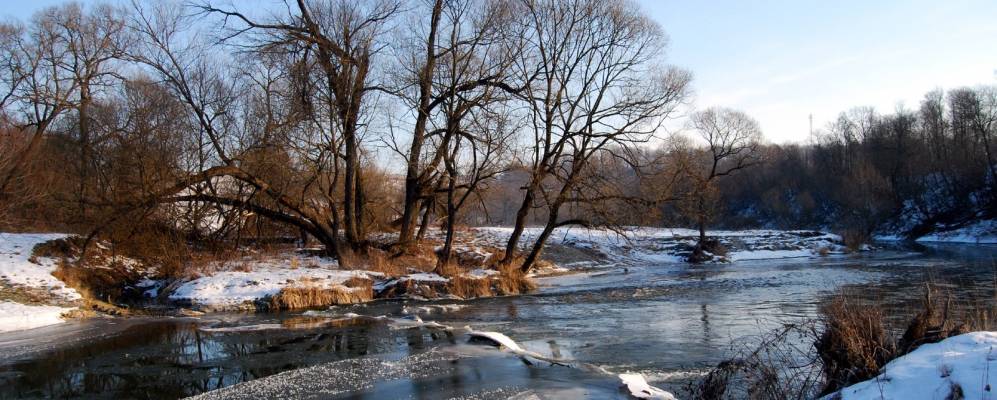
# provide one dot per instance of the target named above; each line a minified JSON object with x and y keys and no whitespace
{"x":668,"y":322}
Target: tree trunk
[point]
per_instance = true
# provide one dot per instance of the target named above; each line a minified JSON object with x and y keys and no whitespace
{"x":427,"y":206}
{"x":84,"y":127}
{"x":541,"y":240}
{"x":413,"y":181}
{"x":517,"y":230}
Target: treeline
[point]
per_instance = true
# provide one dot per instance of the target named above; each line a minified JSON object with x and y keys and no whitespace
{"x":902,"y":173}
{"x":905,"y":172}
{"x":334,"y":121}
{"x":211,"y":122}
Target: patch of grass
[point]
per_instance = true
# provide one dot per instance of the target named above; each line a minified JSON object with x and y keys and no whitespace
{"x":512,"y":280}
{"x":855,"y":238}
{"x":354,"y":290}
{"x":855,"y":343}
{"x":469,"y":288}
{"x":853,"y":340}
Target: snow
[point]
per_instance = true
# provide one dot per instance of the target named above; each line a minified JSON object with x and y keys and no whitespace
{"x":931,"y":371}
{"x":481,"y":273}
{"x":228,"y":288}
{"x":424,"y":277}
{"x":432,"y":308}
{"x":16,"y":316}
{"x":498,"y":338}
{"x":671,"y":245}
{"x":769,"y":254}
{"x":639,"y":388}
{"x":17,"y":269}
{"x":981,"y":232}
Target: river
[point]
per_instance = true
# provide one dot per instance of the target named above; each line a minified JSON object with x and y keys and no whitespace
{"x":668,"y":322}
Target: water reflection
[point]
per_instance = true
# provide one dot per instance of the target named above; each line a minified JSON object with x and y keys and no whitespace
{"x":170,"y":359}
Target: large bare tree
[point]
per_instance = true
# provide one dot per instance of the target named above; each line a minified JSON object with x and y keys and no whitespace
{"x":600,"y":88}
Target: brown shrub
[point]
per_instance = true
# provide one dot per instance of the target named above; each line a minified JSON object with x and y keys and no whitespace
{"x":299,"y":297}
{"x":469,"y":288}
{"x":855,"y":343}
{"x":853,"y":340}
{"x":512,"y":280}
{"x":379,"y":260}
{"x":937,"y":321}
{"x":772,"y":369}
{"x":855,"y":238}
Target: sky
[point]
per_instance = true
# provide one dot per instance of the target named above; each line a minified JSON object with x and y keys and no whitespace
{"x":782,"y":61}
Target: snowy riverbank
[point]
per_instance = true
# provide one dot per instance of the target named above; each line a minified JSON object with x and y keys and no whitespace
{"x":253,"y":279}
{"x":956,"y":368}
{"x":673,"y":245}
{"x":30,"y":296}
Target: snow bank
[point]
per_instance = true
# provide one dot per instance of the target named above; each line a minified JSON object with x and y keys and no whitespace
{"x":229,"y":288}
{"x":671,"y":245}
{"x":982,"y":232}
{"x":16,"y":269}
{"x":16,"y":316}
{"x":933,"y":370}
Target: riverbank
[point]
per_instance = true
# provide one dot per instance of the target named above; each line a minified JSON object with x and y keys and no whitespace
{"x":41,"y":274}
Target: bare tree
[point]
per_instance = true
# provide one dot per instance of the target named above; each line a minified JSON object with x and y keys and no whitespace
{"x":56,"y":65}
{"x":732,"y":140}
{"x":599,"y":88}
{"x":468,"y":52}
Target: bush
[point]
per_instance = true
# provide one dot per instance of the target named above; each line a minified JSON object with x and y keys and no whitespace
{"x":354,"y":290}
{"x":855,"y":343}
{"x":853,"y":340}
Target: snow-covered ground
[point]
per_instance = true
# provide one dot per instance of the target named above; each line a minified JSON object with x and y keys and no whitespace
{"x":17,"y":316}
{"x":983,"y":232}
{"x":233,"y":284}
{"x":231,"y":288}
{"x":18,"y":269}
{"x":671,"y":245}
{"x":255,"y":278}
{"x":934,"y":371}
{"x":20,"y":272}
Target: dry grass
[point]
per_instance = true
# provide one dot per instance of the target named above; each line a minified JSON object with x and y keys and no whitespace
{"x":858,"y":340}
{"x":379,"y":260}
{"x":855,"y":342}
{"x":100,"y":277}
{"x":851,"y":342}
{"x":355,"y":290}
{"x":469,"y":288}
{"x":855,"y":238}
{"x":511,"y":280}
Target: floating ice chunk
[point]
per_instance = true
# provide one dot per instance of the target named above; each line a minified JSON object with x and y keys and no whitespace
{"x":497,"y":338}
{"x":639,"y":388}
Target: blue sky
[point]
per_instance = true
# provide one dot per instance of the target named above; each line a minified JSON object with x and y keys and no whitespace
{"x":781,"y":61}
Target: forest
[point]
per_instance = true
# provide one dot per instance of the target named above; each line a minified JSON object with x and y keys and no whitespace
{"x":335,"y":121}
